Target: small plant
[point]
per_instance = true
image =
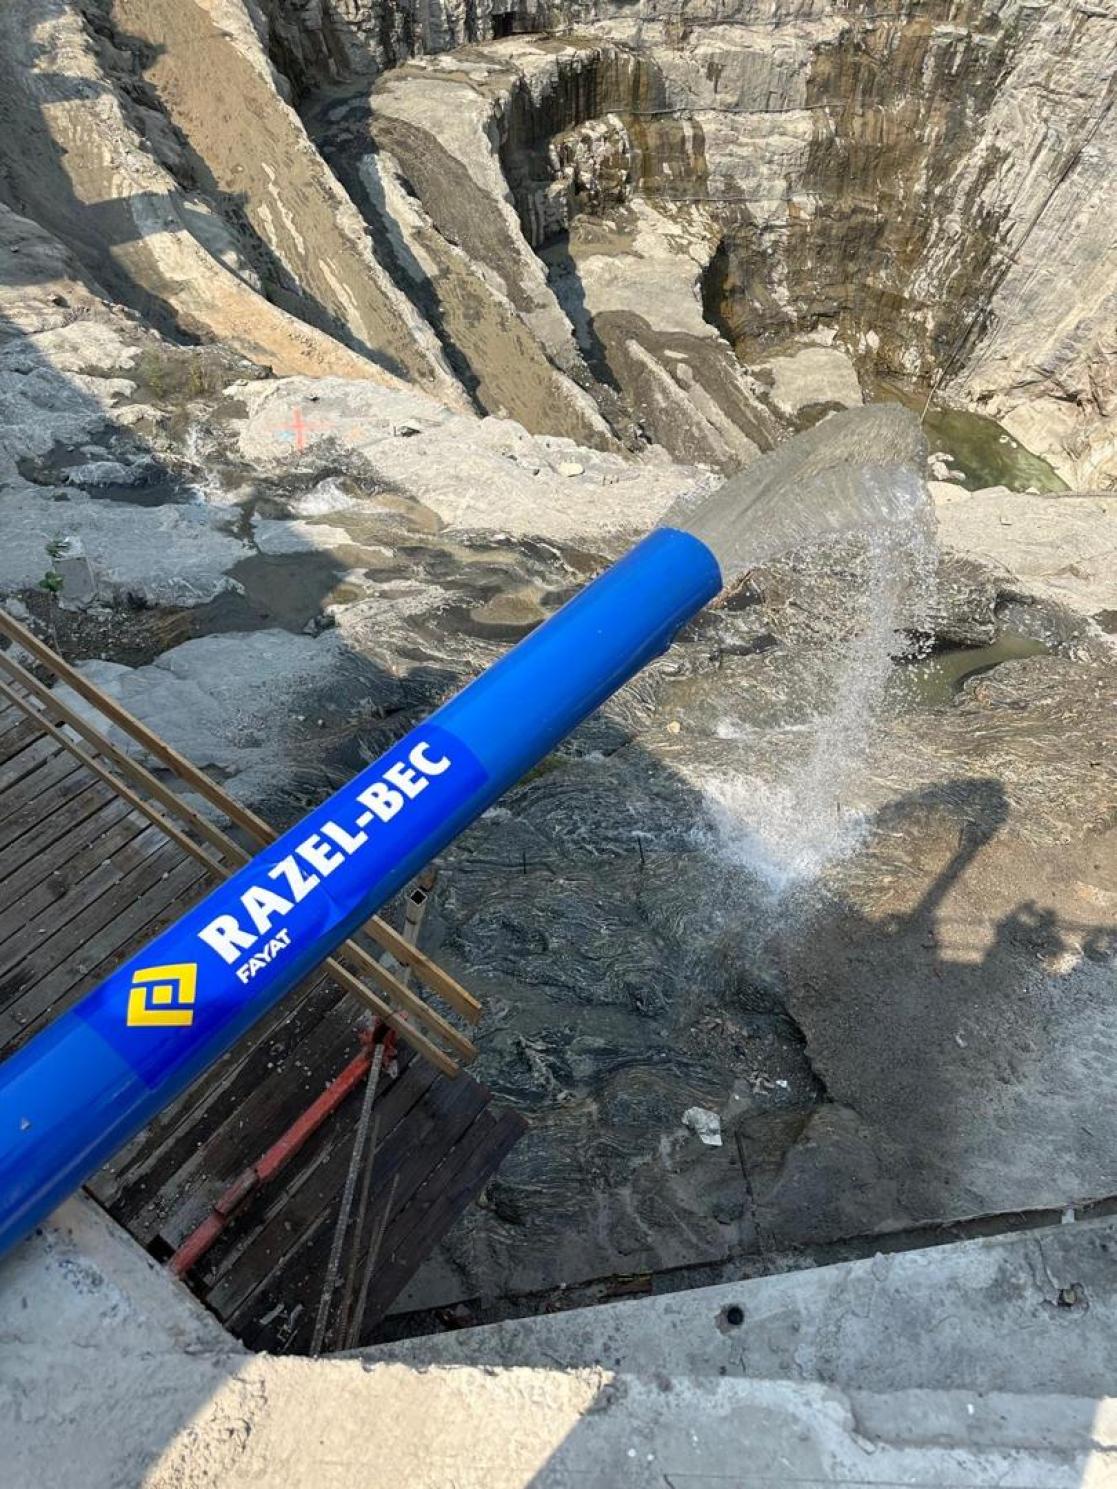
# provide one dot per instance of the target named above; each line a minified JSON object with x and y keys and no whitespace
{"x":52,"y":581}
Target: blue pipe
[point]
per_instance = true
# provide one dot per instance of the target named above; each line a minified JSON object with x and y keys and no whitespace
{"x":93,"y":1078}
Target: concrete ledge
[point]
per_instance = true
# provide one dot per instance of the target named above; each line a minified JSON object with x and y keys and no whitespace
{"x":1035,"y":1311}
{"x":110,"y":1375}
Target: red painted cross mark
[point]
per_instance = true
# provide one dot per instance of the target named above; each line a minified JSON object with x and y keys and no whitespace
{"x":299,"y":428}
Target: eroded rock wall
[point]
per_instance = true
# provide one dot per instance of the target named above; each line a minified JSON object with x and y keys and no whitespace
{"x":538,"y":159}
{"x":924,"y":183}
{"x":206,"y":72}
{"x":75,"y":158}
{"x":928,"y":180}
{"x":922,"y":186}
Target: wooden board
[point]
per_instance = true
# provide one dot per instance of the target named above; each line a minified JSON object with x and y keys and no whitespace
{"x":86,"y":880}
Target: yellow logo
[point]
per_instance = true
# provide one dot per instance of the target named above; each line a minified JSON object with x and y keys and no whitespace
{"x":163,"y":997}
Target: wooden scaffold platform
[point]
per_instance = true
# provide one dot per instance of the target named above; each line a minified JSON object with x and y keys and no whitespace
{"x":298,"y":1185}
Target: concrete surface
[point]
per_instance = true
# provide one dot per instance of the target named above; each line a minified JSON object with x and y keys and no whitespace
{"x":980,"y":1364}
{"x":1035,"y":1311}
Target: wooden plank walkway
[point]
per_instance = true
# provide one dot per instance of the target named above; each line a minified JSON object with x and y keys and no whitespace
{"x":86,"y":879}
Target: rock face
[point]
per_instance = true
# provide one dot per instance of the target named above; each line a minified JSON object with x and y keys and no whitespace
{"x":337,"y":361}
{"x":507,"y":155}
{"x":303,"y":233}
{"x":581,"y":233}
{"x":318,"y":41}
{"x":928,"y":181}
{"x":1060,"y":546}
{"x":79,"y":160}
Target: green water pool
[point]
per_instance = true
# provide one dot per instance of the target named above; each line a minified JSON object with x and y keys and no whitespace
{"x":984,"y":452}
{"x":938,"y":678}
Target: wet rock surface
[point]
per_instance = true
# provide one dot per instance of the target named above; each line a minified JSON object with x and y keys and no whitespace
{"x":910,"y":1039}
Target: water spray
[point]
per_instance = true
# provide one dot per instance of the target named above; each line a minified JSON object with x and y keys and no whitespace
{"x":96,"y":1076}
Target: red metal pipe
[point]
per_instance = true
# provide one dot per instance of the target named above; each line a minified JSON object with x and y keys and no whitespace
{"x":199,"y":1241}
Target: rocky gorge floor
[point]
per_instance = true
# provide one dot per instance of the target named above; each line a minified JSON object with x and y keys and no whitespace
{"x":860,"y":907}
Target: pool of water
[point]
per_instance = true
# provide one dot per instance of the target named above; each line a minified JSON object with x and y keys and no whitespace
{"x":984,"y":452}
{"x":937,"y":679}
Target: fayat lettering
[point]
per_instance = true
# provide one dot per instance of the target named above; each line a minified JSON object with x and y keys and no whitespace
{"x":257,"y":928}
